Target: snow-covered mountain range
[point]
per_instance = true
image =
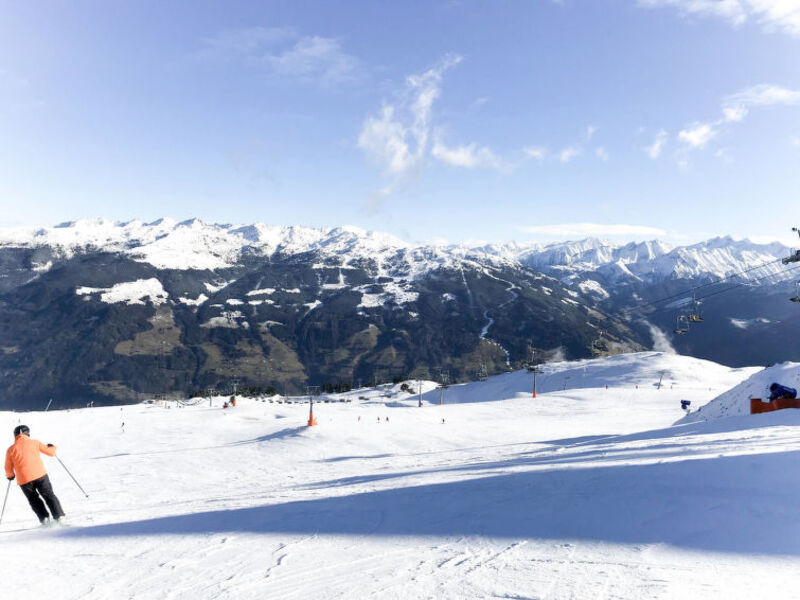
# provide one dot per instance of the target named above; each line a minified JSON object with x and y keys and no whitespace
{"x":120,"y":309}
{"x":194,"y":244}
{"x":655,"y":261}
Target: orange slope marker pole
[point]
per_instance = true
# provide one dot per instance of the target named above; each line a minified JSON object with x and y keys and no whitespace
{"x":311,"y":420}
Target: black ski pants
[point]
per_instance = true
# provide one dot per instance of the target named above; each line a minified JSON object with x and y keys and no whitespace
{"x":42,"y":487}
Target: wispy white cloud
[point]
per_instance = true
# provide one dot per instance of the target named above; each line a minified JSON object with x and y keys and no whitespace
{"x":654,"y":149}
{"x":734,"y":114}
{"x":566,"y":230}
{"x":764,"y":94}
{"x":315,"y":59}
{"x":385,"y":140}
{"x":283,"y":53}
{"x":402,"y":135}
{"x":782,"y":15}
{"x":574,"y":150}
{"x":478,"y":102}
{"x":735,"y":108}
{"x":568,"y":153}
{"x":536,"y":152}
{"x":468,"y":157}
{"x":697,"y":135}
{"x":397,"y":138}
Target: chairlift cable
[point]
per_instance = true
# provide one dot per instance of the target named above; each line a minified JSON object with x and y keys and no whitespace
{"x":704,"y":285}
{"x":738,"y":285}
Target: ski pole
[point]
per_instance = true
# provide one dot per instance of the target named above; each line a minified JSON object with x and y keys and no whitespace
{"x":4,"y":501}
{"x":73,"y":478}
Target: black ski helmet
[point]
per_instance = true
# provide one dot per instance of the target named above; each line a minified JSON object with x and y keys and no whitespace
{"x":21,"y":429}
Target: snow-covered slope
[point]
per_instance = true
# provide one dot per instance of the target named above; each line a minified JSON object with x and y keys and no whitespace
{"x":580,"y":493}
{"x":736,"y":401}
{"x":644,"y":371}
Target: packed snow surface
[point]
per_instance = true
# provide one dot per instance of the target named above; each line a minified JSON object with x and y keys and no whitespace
{"x":583,"y":492}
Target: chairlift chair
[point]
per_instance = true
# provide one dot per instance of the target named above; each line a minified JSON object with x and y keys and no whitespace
{"x":682,"y":325}
{"x":796,"y":297}
{"x":794,"y":256}
{"x":695,"y":315}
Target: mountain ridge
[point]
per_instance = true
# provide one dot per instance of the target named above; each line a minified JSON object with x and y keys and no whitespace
{"x":194,"y":244}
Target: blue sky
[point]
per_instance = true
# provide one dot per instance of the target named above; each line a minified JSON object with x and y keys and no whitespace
{"x":538,"y":120}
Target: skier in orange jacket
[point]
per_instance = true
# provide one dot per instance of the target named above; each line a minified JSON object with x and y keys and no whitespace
{"x":24,"y":463}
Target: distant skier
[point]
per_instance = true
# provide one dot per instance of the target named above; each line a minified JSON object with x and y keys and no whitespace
{"x":24,"y":463}
{"x":779,"y":392}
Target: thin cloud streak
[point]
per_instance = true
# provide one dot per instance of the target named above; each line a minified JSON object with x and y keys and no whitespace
{"x":535,"y":152}
{"x":783,"y":15}
{"x":283,"y":53}
{"x":469,"y":156}
{"x":654,"y":149}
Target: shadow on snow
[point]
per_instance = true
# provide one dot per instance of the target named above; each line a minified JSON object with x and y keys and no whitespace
{"x":741,"y":504}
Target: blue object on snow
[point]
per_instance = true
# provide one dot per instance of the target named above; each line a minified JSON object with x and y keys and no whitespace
{"x":781,"y":391}
{"x":685,"y":404}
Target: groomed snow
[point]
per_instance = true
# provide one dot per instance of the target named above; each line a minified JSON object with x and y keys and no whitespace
{"x":586,"y":492}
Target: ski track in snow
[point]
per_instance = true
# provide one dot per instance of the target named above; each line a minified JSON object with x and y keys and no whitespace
{"x":584,"y":493}
{"x":511,"y":289}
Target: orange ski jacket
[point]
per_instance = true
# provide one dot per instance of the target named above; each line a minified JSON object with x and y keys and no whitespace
{"x":23,"y":459}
